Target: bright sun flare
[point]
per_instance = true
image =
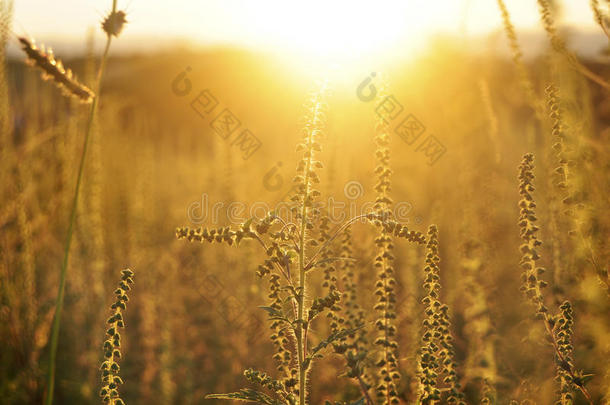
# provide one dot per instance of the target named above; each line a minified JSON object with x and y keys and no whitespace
{"x":337,"y":30}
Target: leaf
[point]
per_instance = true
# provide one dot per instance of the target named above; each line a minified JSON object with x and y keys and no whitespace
{"x":275,"y":315}
{"x":581,"y":379}
{"x":340,"y":334}
{"x":246,"y":395}
{"x":246,"y":225}
{"x":312,"y":266}
{"x":272,"y":311}
{"x":291,"y":289}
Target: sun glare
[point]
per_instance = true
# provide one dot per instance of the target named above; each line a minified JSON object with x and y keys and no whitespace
{"x":338,"y":30}
{"x":338,"y":38}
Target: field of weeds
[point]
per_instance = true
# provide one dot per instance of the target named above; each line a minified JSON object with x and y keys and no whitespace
{"x":194,"y":226}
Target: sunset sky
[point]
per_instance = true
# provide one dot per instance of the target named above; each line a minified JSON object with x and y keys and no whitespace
{"x":321,"y":26}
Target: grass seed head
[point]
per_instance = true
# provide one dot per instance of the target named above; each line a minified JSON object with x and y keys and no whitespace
{"x":113,"y":24}
{"x":54,"y":69}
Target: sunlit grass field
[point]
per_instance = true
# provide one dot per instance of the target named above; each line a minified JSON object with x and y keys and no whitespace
{"x":431,"y":228}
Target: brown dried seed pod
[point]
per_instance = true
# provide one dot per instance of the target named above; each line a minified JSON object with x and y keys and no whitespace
{"x":113,"y":24}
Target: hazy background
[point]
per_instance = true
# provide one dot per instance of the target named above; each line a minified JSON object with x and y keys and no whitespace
{"x":287,"y":26}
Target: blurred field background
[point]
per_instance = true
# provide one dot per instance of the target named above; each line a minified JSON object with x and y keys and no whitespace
{"x":194,"y":324}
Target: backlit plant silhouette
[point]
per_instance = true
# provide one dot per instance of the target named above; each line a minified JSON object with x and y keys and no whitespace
{"x":294,"y":250}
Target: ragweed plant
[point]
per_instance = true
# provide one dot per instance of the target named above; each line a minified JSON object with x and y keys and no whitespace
{"x":386,"y":283}
{"x":571,"y":200}
{"x":112,"y":345}
{"x":560,"y":182}
{"x":562,"y":171}
{"x":438,"y":375}
{"x":287,"y":261}
{"x":558,"y":327}
{"x":354,"y":347}
{"x":294,"y":248}
{"x":559,"y":45}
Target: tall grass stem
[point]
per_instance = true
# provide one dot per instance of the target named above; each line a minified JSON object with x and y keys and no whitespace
{"x":64,"y":267}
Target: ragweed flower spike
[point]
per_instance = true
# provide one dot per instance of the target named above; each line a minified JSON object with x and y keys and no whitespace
{"x":113,"y":23}
{"x":562,"y":170}
{"x":517,"y":56}
{"x":385,"y":323}
{"x":218,"y":235}
{"x":54,"y":69}
{"x":532,"y":284}
{"x":559,"y":44}
{"x":436,"y":358}
{"x":558,"y":327}
{"x":112,"y":345}
{"x":563,"y":335}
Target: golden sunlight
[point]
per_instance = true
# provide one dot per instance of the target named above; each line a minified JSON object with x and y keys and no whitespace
{"x":336,"y":29}
{"x":304,"y":202}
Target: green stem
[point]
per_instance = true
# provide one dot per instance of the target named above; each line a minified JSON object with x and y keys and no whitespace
{"x":301,"y":310}
{"x":301,"y":336}
{"x":64,"y":267}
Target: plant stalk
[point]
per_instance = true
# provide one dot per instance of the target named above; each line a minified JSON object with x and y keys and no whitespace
{"x":64,"y":267}
{"x":301,"y":335}
{"x":301,"y":309}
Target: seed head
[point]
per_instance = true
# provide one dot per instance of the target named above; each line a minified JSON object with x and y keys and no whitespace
{"x":54,"y":69}
{"x":112,"y":345}
{"x":113,"y":24}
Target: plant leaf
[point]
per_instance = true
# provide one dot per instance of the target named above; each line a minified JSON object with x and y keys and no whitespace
{"x":273,"y":312}
{"x":246,"y":395}
{"x":330,"y":339}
